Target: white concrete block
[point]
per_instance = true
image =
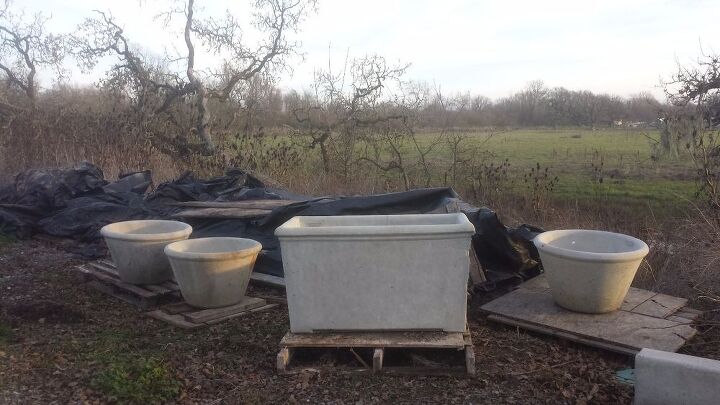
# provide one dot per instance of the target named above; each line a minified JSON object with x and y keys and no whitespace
{"x":376,"y":272}
{"x":677,"y":379}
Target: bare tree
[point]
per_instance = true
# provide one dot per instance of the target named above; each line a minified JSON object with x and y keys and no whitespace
{"x":25,"y":47}
{"x":346,"y":104}
{"x":103,"y":36}
{"x":694,"y":123}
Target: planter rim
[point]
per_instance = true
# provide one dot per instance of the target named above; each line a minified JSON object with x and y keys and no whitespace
{"x":183,"y":231}
{"x":456,"y":223}
{"x":543,"y":242}
{"x":251,"y":247}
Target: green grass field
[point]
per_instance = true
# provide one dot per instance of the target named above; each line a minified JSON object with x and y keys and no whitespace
{"x":580,"y":157}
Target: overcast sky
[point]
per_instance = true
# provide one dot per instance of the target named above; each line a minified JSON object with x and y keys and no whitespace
{"x":484,"y":47}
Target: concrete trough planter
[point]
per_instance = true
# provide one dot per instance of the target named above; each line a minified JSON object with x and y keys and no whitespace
{"x":663,"y":378}
{"x":213,"y":272}
{"x":589,"y":271}
{"x":137,"y":247}
{"x":376,"y":272}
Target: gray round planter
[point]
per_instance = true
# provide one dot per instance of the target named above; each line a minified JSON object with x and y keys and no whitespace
{"x":137,"y":247}
{"x":213,"y":272}
{"x":589,"y":271}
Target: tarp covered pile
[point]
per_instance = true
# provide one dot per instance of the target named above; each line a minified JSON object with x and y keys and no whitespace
{"x":76,"y":203}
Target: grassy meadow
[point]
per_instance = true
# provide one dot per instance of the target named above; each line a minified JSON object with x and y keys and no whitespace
{"x":614,"y":165}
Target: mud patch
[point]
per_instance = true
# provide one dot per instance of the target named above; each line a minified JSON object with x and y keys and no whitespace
{"x":43,"y":311}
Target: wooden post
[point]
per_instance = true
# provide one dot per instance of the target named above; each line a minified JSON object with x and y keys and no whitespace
{"x":283,"y":359}
{"x":378,"y":355}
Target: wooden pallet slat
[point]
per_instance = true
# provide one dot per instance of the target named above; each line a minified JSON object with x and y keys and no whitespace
{"x":231,"y":213}
{"x":185,"y":316}
{"x":214,"y":313}
{"x":660,"y":306}
{"x":405,"y":342}
{"x":102,"y":275}
{"x":239,"y":314}
{"x":442,"y":340}
{"x":267,"y":279}
{"x":253,"y":204}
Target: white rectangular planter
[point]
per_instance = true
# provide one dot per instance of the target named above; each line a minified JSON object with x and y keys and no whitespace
{"x":671,"y":378}
{"x":376,"y":272}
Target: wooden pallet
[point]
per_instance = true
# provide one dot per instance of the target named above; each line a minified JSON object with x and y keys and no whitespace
{"x":646,"y":319}
{"x":381,"y":346}
{"x":103,"y":276}
{"x":187,"y":317}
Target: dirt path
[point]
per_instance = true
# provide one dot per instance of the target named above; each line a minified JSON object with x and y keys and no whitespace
{"x":66,"y":343}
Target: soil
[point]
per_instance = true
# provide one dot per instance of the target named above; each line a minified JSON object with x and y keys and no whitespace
{"x":59,"y":334}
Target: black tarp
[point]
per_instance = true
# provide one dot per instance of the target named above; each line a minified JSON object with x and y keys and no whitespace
{"x":76,"y":203}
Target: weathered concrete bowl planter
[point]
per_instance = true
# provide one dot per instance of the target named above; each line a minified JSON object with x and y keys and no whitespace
{"x":589,"y":271}
{"x":137,"y":247}
{"x":213,"y":272}
{"x":376,"y":272}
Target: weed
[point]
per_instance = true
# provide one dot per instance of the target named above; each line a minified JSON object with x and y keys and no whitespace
{"x":6,"y":237}
{"x":6,"y":334}
{"x":137,"y":380}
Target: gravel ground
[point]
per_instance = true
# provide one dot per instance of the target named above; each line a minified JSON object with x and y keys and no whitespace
{"x":61,"y":342}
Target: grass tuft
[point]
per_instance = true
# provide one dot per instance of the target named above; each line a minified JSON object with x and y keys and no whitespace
{"x":137,"y":381}
{"x":6,"y":334}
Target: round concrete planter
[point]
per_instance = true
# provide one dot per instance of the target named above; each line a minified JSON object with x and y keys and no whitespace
{"x":137,"y":248}
{"x":213,"y":272}
{"x":589,"y":271}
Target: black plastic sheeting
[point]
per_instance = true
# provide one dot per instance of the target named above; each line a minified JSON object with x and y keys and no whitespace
{"x":76,"y":203}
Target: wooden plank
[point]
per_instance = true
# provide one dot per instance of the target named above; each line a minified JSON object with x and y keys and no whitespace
{"x":477,"y":275}
{"x":231,"y":316}
{"x":438,"y":340}
{"x":679,"y":319}
{"x":687,"y":313}
{"x":252,"y":204}
{"x":205,"y":315}
{"x":273,"y":299}
{"x":267,"y":279}
{"x":232,"y":213}
{"x":175,"y":320}
{"x":125,"y":286}
{"x":157,"y":288}
{"x":660,"y":306}
{"x":177,"y":308}
{"x":617,"y":348}
{"x":378,"y":355}
{"x":470,"y":359}
{"x":635,"y":297}
{"x":109,"y":270}
{"x":617,"y":328}
{"x":83,"y":274}
{"x":537,"y":283}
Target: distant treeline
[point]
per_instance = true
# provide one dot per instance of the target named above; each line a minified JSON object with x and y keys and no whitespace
{"x":534,"y":106}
